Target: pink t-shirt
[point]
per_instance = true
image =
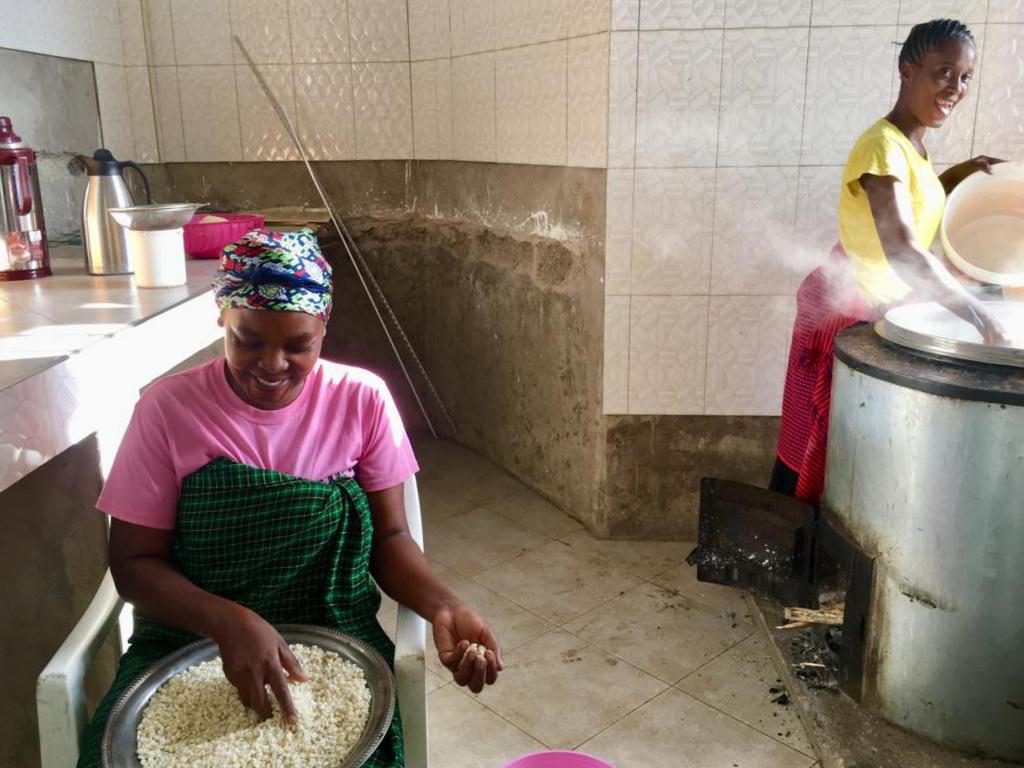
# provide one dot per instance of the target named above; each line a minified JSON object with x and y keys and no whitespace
{"x":343,"y":423}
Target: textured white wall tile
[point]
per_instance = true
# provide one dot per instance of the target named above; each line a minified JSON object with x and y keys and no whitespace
{"x":531,"y":102}
{"x":1005,"y":11}
{"x":682,"y":14}
{"x":159,"y":30}
{"x":622,"y":76}
{"x":678,"y":98}
{"x":587,"y":17}
{"x":762,"y":96}
{"x":817,"y":224}
{"x":97,"y":30}
{"x":115,"y":111}
{"x":202,"y":32}
{"x":967,"y":11}
{"x":767,"y":13}
{"x":673,"y":217}
{"x":323,"y":98}
{"x":473,"y":28}
{"x":382,"y":99}
{"x":618,"y":244}
{"x":952,"y":142}
{"x":473,"y":107}
{"x":140,"y":99}
{"x":133,"y":36}
{"x":1000,"y":128}
{"x":755,"y":214}
{"x":209,"y":112}
{"x":748,"y":339}
{"x":667,"y":354}
{"x":835,"y":13}
{"x":262,"y":26}
{"x":264,"y":136}
{"x":378,"y":30}
{"x":432,"y":109}
{"x":588,"y":101}
{"x":430,"y":33}
{"x":528,"y":22}
{"x":625,"y":14}
{"x":848,"y":88}
{"x":169,"y":126}
{"x":319,"y":31}
{"x":616,"y":354}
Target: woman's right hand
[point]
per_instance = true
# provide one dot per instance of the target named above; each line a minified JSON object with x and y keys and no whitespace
{"x":254,"y":656}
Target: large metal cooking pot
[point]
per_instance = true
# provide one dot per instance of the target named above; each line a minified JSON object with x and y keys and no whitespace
{"x":926,"y":478}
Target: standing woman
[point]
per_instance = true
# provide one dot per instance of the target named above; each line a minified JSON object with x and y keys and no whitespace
{"x":890,"y":207}
{"x":265,"y":488}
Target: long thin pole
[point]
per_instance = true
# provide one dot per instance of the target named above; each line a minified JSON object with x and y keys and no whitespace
{"x":356,"y":257}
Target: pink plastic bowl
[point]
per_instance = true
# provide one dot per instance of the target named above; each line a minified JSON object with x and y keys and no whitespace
{"x":205,"y":241}
{"x":558,"y":759}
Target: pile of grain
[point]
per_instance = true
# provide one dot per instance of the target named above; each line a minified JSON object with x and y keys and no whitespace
{"x":195,"y":720}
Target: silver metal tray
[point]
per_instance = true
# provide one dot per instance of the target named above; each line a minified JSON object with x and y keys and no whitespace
{"x":119,"y":746}
{"x":935,"y":330}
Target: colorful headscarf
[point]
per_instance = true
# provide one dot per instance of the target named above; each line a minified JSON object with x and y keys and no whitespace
{"x":280,"y":271}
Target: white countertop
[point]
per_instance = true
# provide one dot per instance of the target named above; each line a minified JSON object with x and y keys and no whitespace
{"x":75,"y":350}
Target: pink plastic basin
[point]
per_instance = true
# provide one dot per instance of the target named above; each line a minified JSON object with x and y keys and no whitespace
{"x":205,"y":241}
{"x":558,"y":759}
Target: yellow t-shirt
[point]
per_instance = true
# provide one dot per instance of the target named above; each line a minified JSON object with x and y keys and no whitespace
{"x":883,"y":150}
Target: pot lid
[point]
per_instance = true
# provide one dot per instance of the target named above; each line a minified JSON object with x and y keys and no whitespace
{"x":933,"y":329}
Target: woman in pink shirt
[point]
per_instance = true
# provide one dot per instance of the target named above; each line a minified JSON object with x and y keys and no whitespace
{"x":266,"y":488}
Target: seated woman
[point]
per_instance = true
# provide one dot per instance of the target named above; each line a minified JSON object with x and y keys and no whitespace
{"x":266,"y":488}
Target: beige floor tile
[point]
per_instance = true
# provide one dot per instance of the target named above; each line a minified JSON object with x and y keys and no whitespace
{"x":536,"y":513}
{"x":739,"y":683}
{"x":513,"y":625}
{"x":556,"y":583}
{"x":677,"y":730}
{"x":660,"y":632}
{"x":477,"y":540}
{"x":683,"y":578}
{"x":561,"y":691}
{"x":435,"y":681}
{"x":640,"y":558}
{"x":464,"y":734}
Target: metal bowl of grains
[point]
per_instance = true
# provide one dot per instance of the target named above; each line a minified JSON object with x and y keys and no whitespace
{"x":315,"y":741}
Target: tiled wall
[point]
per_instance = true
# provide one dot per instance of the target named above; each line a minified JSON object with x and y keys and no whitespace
{"x":729,"y":123}
{"x":91,"y":30}
{"x":368,"y":79}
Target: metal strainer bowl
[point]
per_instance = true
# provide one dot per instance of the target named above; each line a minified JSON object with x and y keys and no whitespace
{"x":119,"y":747}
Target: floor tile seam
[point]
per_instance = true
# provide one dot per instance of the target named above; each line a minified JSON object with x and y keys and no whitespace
{"x":628,"y":714}
{"x":706,"y":607}
{"x":474,"y":698}
{"x":717,"y":656}
{"x":748,"y":725}
{"x":541,"y":533}
{"x":496,"y":564}
{"x":596,"y":645}
{"x":612,"y":564}
{"x":547,"y":621}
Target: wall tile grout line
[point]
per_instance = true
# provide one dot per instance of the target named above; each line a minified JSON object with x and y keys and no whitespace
{"x":412,"y":105}
{"x":234,"y":73}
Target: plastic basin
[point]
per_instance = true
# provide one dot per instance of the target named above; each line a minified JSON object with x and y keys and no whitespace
{"x":558,"y":759}
{"x":206,"y":241}
{"x":983,"y":226}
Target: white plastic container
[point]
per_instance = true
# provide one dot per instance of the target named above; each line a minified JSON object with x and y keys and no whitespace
{"x":158,"y":257}
{"x":983,"y":226}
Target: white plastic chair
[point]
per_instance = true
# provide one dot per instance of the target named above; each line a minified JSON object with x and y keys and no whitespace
{"x":60,"y":693}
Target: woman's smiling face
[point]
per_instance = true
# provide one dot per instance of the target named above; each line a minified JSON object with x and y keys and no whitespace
{"x":270,"y":354}
{"x":939,"y":82}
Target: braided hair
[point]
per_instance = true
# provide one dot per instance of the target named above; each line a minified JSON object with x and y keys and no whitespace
{"x":931,"y":34}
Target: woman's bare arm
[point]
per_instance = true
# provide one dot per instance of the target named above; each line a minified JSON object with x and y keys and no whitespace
{"x":915,"y":265}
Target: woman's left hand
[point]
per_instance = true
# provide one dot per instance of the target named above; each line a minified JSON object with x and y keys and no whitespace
{"x":456,"y":629}
{"x":982,"y":163}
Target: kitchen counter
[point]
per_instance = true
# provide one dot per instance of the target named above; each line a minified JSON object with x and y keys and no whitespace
{"x":76,"y":349}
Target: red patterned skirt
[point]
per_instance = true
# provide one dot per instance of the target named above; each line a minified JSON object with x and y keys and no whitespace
{"x":827,"y":302}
